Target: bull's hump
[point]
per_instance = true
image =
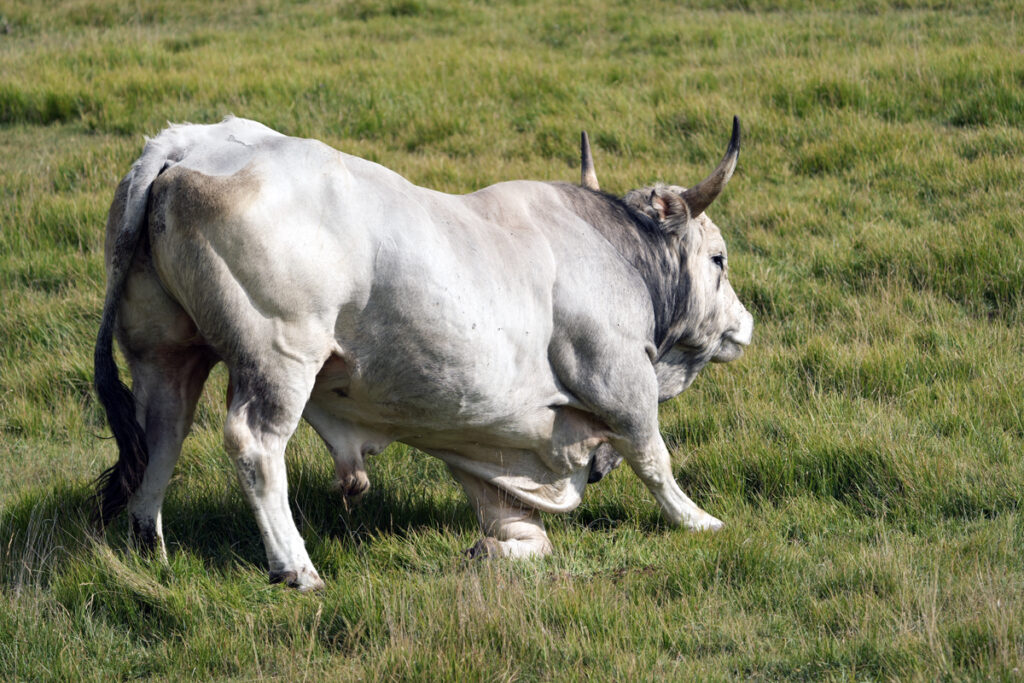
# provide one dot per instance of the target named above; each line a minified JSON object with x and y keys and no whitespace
{"x":519,"y":205}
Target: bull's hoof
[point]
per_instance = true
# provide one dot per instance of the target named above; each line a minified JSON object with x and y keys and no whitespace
{"x":707,"y":523}
{"x":486,"y":548}
{"x":145,"y":538}
{"x":353,"y":486}
{"x":304,"y":580}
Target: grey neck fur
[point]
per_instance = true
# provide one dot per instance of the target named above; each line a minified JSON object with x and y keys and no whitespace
{"x":651,"y":250}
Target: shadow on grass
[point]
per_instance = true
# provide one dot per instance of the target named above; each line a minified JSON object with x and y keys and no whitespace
{"x":602,"y":511}
{"x":47,"y":529}
{"x":221,"y":527}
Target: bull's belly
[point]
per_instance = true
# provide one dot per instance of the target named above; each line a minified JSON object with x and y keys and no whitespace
{"x":534,"y":446}
{"x":440,"y":419}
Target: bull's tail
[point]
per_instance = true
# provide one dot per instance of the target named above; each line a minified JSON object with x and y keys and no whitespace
{"x":115,"y":486}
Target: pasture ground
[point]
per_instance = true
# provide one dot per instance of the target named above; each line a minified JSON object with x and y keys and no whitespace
{"x":866,"y":453}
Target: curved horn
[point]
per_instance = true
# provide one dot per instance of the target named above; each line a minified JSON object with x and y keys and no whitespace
{"x":588,"y":177}
{"x":699,"y":197}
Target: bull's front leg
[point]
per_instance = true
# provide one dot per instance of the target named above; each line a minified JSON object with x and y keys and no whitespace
{"x":511,"y":529}
{"x":639,"y":440}
{"x":652,"y":463}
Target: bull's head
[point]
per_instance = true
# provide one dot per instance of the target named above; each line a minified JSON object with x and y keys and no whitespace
{"x":713,"y":325}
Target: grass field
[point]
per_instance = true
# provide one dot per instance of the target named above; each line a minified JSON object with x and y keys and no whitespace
{"x":865,"y":454}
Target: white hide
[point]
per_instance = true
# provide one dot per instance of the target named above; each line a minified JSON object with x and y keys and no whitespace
{"x":499,"y":331}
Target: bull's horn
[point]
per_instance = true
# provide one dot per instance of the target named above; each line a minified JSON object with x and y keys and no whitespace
{"x":588,"y":177}
{"x":699,"y":197}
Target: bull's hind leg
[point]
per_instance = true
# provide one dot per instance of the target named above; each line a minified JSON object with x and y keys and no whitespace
{"x":266,"y":404}
{"x":168,"y":366}
{"x":166,"y":387}
{"x":510,"y":528}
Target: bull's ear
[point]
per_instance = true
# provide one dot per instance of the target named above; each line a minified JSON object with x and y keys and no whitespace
{"x":668,"y":206}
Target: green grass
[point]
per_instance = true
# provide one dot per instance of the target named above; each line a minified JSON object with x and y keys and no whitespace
{"x":866,"y":453}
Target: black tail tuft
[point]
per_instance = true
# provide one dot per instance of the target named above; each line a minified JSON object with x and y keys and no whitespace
{"x":115,"y":486}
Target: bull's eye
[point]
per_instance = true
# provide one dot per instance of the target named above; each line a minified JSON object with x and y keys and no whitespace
{"x":719,"y":260}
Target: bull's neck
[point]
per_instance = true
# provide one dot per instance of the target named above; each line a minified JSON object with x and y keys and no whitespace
{"x":650,"y":250}
{"x":658,"y":261}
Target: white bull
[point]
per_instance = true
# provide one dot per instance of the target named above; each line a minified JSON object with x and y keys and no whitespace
{"x":513,"y":332}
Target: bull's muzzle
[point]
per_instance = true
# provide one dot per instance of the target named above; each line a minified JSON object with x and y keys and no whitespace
{"x":735,"y":338}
